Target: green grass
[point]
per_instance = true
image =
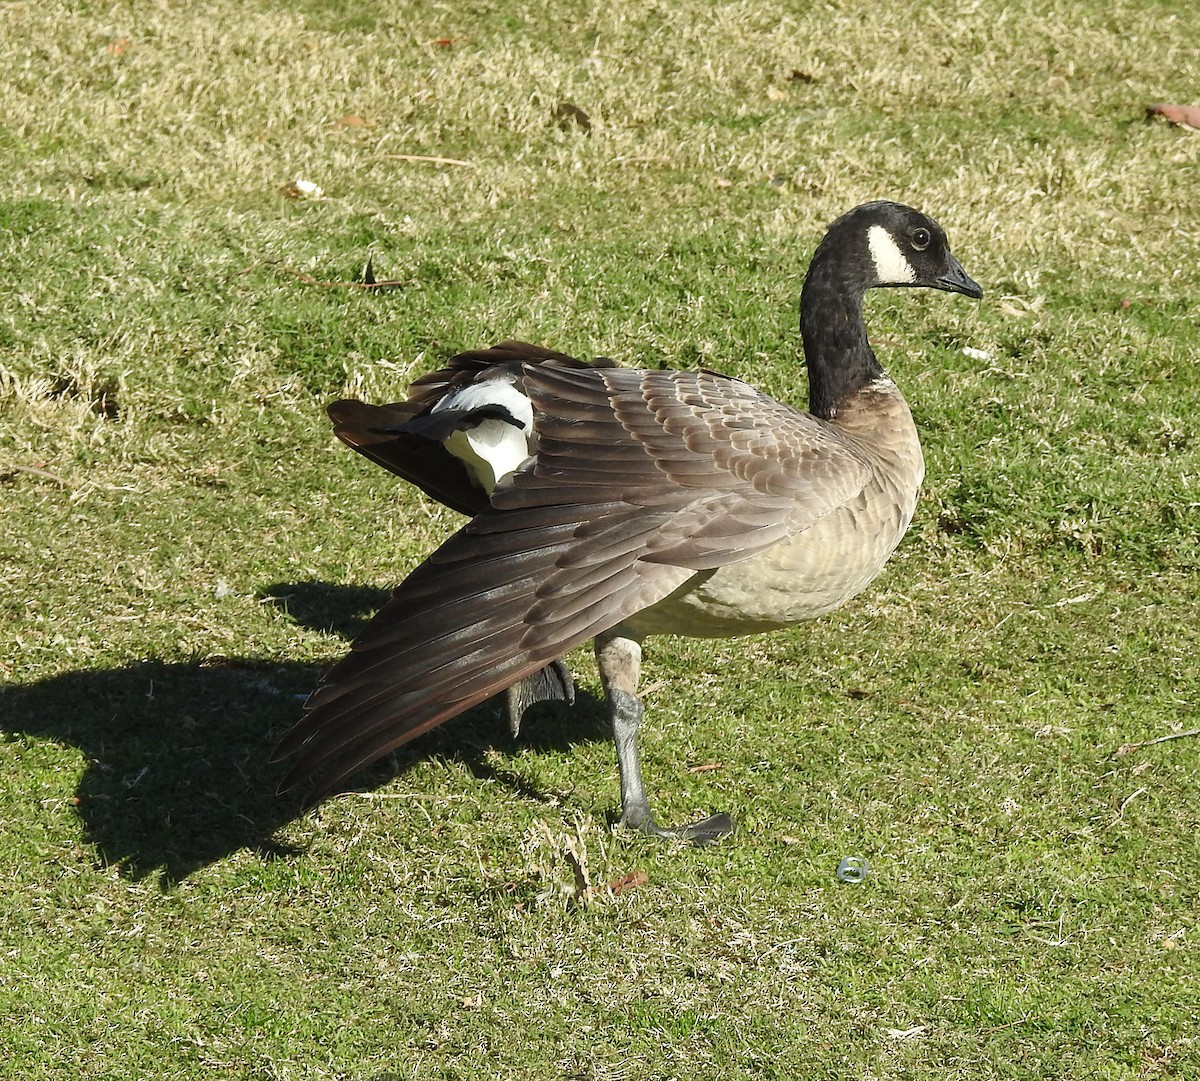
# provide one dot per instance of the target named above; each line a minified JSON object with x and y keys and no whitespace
{"x":184,"y":546}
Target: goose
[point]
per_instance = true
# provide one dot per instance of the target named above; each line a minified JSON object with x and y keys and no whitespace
{"x":613,"y":504}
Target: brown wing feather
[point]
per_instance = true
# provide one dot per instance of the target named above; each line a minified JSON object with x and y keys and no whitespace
{"x":419,"y":461}
{"x":698,"y":471}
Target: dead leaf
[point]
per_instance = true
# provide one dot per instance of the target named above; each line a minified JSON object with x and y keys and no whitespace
{"x":117,"y":46}
{"x":1187,"y":116}
{"x":798,"y":76}
{"x":628,"y":882}
{"x":567,"y":114}
{"x":776,"y":94}
{"x":444,"y":43}
{"x":708,"y":767}
{"x":350,"y":120}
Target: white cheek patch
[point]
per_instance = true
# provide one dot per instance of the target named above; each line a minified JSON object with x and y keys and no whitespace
{"x":891,"y":266}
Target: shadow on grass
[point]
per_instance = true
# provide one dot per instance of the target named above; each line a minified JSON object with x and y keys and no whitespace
{"x":340,"y":610}
{"x":177,"y":772}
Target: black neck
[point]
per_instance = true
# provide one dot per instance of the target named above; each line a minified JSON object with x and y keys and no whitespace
{"x":839,"y":357}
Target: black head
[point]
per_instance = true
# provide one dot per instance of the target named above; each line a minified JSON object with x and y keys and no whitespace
{"x":889,"y":245}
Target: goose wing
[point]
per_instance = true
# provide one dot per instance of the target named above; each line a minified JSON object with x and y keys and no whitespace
{"x":375,"y":430}
{"x":641,"y":479}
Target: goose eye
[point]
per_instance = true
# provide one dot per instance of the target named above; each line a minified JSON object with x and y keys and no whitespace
{"x":920,"y":239}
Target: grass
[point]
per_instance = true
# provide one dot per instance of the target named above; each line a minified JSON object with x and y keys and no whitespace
{"x":183,"y":546}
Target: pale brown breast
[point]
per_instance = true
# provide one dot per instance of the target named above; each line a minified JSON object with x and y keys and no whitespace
{"x":816,"y":569}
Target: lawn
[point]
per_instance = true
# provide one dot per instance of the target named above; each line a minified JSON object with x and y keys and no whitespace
{"x":1003,"y":725}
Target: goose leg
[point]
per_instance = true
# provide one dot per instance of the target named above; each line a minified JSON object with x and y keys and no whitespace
{"x":620,"y":661}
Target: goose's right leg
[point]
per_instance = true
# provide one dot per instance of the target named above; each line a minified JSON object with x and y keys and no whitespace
{"x":620,"y":662}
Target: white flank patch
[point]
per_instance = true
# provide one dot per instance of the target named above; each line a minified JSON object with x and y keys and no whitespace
{"x":494,"y":448}
{"x":491,"y":451}
{"x":890,"y":264}
{"x":491,"y":392}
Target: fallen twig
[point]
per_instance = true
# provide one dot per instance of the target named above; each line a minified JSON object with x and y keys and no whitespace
{"x":1125,"y":748}
{"x":432,"y":160}
{"x":395,"y":795}
{"x":368,"y":281}
{"x":1120,"y":808}
{"x":34,"y":471}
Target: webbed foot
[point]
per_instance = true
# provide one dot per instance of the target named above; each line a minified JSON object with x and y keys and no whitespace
{"x":550,"y":684}
{"x":707,"y":830}
{"x":704,"y":832}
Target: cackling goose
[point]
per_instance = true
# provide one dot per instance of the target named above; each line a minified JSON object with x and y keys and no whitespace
{"x":613,"y":504}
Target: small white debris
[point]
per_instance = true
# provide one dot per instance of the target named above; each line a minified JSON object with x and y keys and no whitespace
{"x":302,"y":189}
{"x":1083,"y":598}
{"x":223,"y":589}
{"x":976,"y":354}
{"x":906,"y":1033}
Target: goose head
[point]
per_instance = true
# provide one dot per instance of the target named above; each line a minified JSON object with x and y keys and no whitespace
{"x":877,"y":245}
{"x":883,"y":245}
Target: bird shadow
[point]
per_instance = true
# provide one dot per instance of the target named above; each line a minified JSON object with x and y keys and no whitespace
{"x":178,"y":772}
{"x":319,"y":606}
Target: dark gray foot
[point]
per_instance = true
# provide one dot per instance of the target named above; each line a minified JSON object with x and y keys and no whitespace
{"x":704,"y":832}
{"x":552,"y":684}
{"x":707,"y":830}
{"x":619,"y":659}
